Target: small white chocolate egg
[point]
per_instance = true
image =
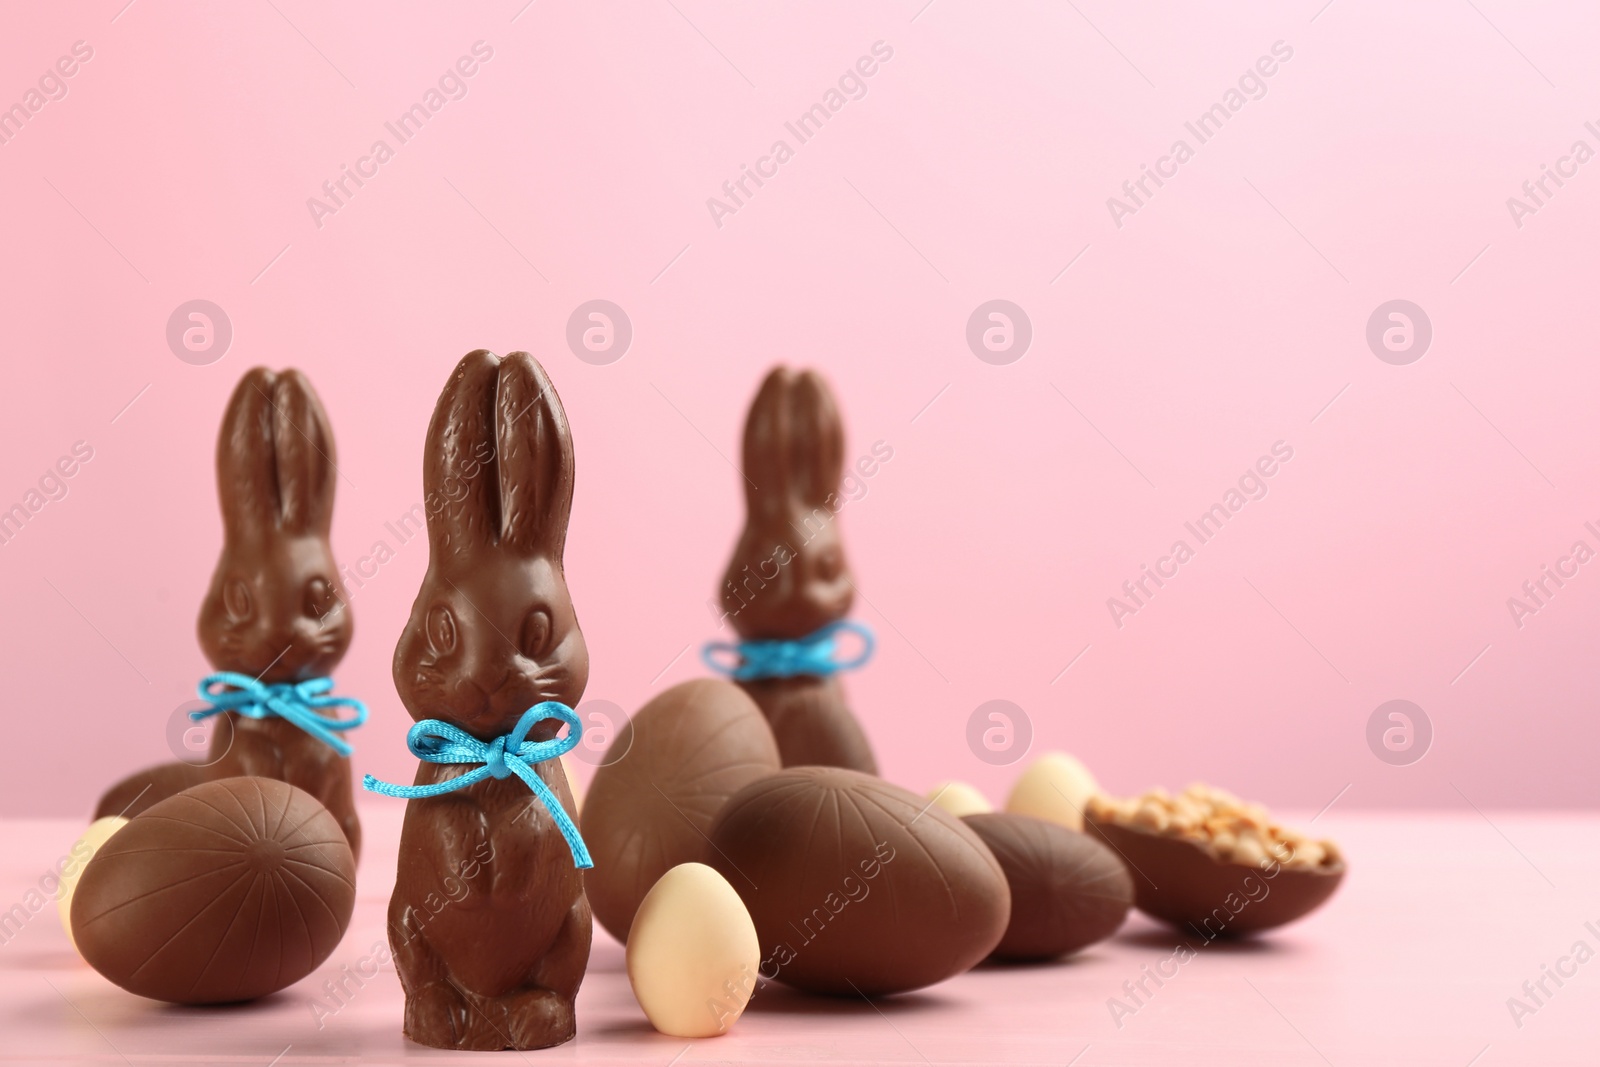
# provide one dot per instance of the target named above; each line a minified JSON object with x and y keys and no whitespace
{"x":76,"y":859}
{"x":1055,"y":788}
{"x":959,"y":798}
{"x":692,"y":953}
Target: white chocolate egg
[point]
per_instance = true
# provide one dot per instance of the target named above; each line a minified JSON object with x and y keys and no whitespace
{"x":692,"y":953}
{"x":959,"y":798}
{"x":76,"y":859}
{"x":1054,"y":788}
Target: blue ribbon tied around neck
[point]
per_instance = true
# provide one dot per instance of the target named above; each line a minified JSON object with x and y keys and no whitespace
{"x":788,"y":658}
{"x":301,"y":703}
{"x":433,"y":741}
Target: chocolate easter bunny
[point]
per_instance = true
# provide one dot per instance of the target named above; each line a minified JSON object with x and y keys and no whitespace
{"x":276,"y":610}
{"x":788,"y":579}
{"x":489,"y":924}
{"x":275,"y":620}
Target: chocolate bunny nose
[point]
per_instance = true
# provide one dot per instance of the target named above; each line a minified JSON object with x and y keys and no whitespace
{"x":478,"y":691}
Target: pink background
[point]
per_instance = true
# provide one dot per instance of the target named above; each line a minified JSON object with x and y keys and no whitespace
{"x":1222,"y":317}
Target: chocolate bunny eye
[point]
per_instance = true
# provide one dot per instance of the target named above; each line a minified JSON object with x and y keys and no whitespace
{"x":319,"y":598}
{"x":236,"y":600}
{"x":536,"y":633}
{"x":830,"y":563}
{"x":442,"y":630}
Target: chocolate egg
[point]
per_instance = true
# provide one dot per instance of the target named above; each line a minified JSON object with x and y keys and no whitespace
{"x":228,"y":891}
{"x":1067,"y":890}
{"x":1181,"y":883}
{"x":78,"y":856}
{"x":1210,"y":864}
{"x":858,"y":886}
{"x":959,"y":798}
{"x":649,"y":807}
{"x":1055,"y":787}
{"x":692,"y":953}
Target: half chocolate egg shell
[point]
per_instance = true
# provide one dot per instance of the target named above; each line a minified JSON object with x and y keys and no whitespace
{"x":1183,"y":883}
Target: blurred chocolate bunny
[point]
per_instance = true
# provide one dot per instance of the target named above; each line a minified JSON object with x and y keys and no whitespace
{"x":788,"y":589}
{"x":276,"y":611}
{"x":274,"y":621}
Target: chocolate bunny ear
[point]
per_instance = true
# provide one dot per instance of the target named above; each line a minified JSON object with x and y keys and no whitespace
{"x":458,"y":477}
{"x":816,"y":439}
{"x":766,"y":446}
{"x":499,"y":460}
{"x":275,"y":466}
{"x":793,"y":443}
{"x":535,"y":459}
{"x":247,"y":477}
{"x":303,"y":445}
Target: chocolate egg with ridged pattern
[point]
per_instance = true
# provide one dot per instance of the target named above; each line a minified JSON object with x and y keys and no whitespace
{"x":857,"y":886}
{"x":226,"y":892}
{"x":663,"y":779}
{"x":1067,"y":889}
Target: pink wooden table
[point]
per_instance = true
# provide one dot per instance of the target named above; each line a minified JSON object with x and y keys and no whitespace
{"x":1442,"y":919}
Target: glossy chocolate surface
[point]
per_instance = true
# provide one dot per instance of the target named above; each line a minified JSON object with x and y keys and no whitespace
{"x":228,"y":891}
{"x":1182,"y":883}
{"x":858,"y":886}
{"x":488,"y":922}
{"x":1067,"y":890}
{"x":788,"y":576}
{"x":667,"y":774}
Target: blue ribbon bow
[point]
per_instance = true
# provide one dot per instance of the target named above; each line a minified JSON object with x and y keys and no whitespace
{"x":298,"y":702}
{"x":440,"y":742}
{"x":811,"y":654}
